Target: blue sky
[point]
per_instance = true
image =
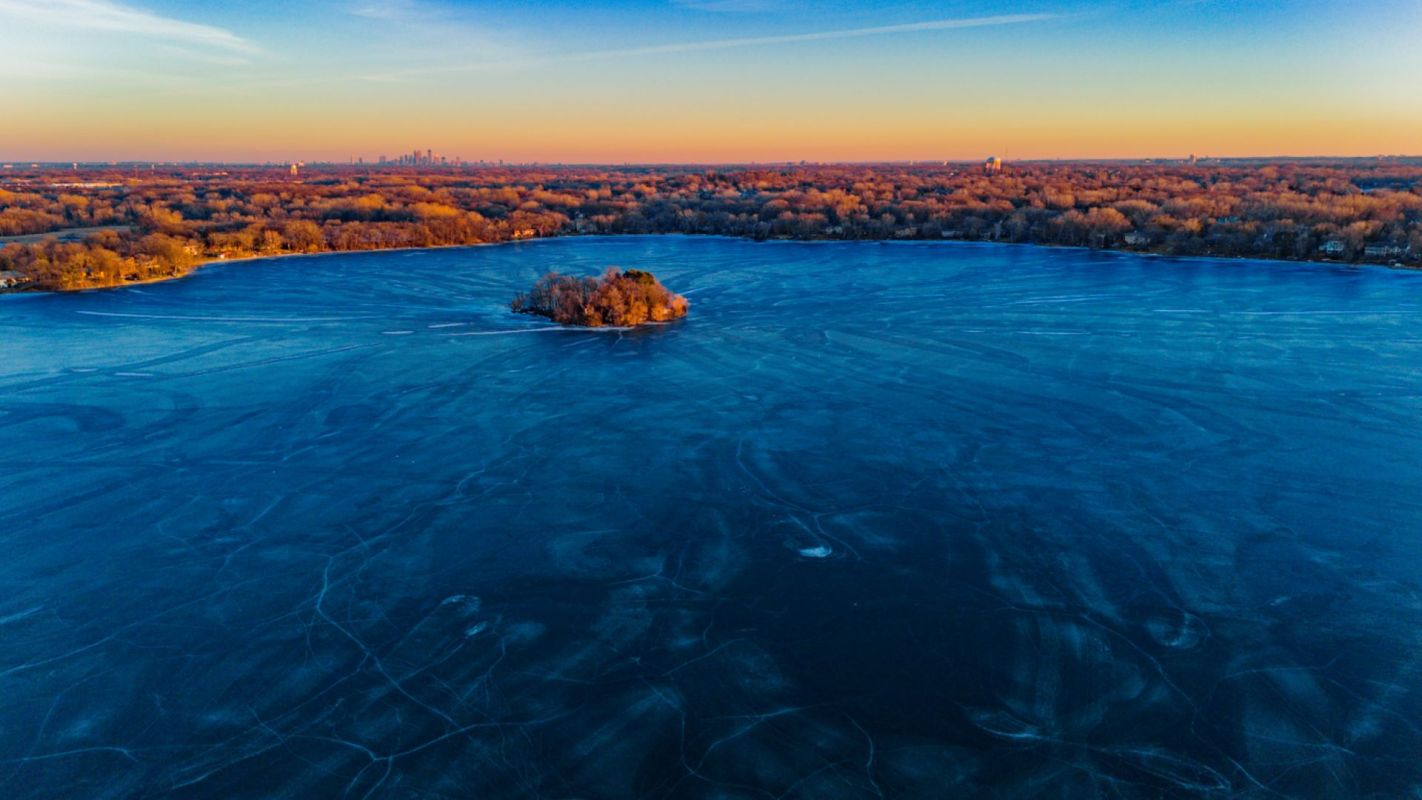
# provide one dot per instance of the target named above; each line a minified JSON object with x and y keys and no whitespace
{"x":707,"y":79}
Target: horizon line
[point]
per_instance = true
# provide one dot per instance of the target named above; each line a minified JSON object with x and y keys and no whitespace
{"x":71,"y":162}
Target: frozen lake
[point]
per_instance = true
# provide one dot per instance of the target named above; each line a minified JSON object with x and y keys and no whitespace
{"x":877,"y":520}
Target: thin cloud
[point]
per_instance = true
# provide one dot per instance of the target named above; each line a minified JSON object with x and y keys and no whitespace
{"x":386,"y":9}
{"x":729,"y":44}
{"x":220,"y":58}
{"x":729,"y":6}
{"x":110,"y":16}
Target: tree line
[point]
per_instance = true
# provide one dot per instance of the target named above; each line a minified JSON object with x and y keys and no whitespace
{"x":172,"y":220}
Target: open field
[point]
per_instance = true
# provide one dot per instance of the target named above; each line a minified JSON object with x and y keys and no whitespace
{"x":64,"y":235}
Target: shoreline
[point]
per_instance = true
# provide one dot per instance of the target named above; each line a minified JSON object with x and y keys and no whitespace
{"x":1399,"y":267}
{"x":194,"y":269}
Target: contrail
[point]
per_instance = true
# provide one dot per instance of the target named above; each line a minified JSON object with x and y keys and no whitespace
{"x":728,"y":44}
{"x":818,"y":36}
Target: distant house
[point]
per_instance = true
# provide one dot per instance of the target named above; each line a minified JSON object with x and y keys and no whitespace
{"x":9,"y":279}
{"x":1332,"y":247}
{"x":1137,"y":239}
{"x":1383,"y":251}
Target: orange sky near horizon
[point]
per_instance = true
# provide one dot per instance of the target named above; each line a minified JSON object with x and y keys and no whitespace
{"x":1067,"y":82}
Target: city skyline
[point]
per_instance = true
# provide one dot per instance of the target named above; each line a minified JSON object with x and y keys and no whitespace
{"x":706,"y":81}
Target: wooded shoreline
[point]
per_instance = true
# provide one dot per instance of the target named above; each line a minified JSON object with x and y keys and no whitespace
{"x":194,"y":269}
{"x":164,"y":227}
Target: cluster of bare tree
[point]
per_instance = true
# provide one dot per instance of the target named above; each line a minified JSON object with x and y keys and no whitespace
{"x":618,"y":298}
{"x":173,"y":220}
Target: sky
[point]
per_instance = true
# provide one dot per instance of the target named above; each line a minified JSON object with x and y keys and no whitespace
{"x":707,"y":81}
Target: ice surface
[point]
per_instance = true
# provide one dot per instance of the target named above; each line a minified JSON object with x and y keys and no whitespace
{"x":875,"y":521}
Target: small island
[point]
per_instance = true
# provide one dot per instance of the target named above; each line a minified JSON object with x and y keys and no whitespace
{"x":618,"y":298}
